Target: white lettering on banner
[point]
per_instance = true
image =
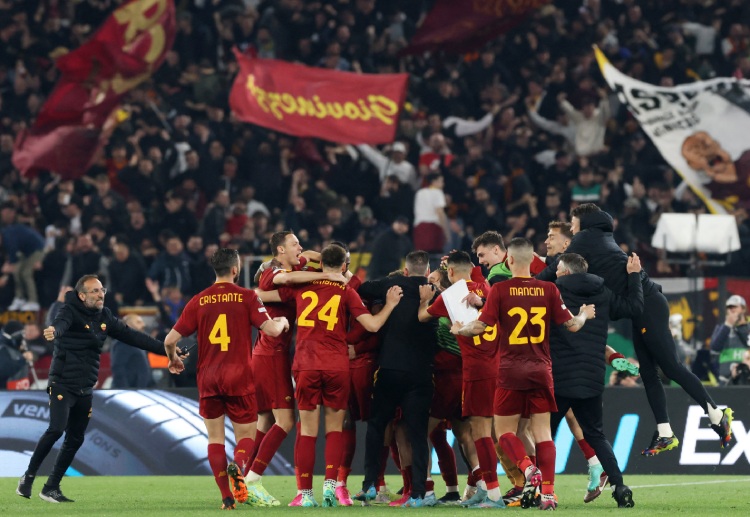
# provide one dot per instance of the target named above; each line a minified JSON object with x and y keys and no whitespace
{"x":31,"y":411}
{"x":696,"y":432}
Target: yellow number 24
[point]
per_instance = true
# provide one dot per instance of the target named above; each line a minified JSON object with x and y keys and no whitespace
{"x":327,"y":313}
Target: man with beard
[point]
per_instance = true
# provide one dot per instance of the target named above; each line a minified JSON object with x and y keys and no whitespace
{"x":80,"y":329}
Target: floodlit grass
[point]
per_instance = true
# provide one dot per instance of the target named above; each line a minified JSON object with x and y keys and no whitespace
{"x":184,"y":496}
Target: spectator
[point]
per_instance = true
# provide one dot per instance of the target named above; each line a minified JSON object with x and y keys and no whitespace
{"x":731,"y":339}
{"x":130,"y":366}
{"x":590,"y":123}
{"x":171,"y":269}
{"x":430,"y":221}
{"x":14,"y":363}
{"x":395,"y":165}
{"x":389,"y":249}
{"x":127,"y":274}
{"x":24,"y":248}
{"x":741,"y":371}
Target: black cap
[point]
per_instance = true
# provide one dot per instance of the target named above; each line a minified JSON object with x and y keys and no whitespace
{"x":402,"y":219}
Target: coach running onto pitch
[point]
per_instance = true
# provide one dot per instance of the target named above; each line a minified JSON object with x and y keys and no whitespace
{"x":81,"y":327}
{"x":404,"y":376}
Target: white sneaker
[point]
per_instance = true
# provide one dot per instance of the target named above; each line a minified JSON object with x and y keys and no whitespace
{"x":30,"y":306}
{"x":16,"y":304}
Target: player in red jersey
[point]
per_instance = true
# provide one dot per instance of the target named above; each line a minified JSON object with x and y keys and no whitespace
{"x":523,"y":309}
{"x":272,"y":368}
{"x":479,"y":373}
{"x":223,"y":315}
{"x":321,"y":364}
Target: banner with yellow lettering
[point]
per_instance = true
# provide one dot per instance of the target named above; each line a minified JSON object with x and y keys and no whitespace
{"x":342,"y":107}
{"x":457,"y":26}
{"x":73,"y":124}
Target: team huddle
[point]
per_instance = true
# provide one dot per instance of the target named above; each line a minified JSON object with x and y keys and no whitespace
{"x":386,"y":352}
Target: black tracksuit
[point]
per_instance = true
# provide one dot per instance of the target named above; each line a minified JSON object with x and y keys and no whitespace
{"x":80,"y":334}
{"x":652,"y":339}
{"x":578,"y":364}
{"x":404,"y":378}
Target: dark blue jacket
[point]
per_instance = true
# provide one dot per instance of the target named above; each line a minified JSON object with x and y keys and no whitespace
{"x":19,"y":238}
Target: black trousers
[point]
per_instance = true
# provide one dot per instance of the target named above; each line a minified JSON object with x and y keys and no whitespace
{"x":655,"y":346}
{"x":69,"y":413}
{"x":588,"y":413}
{"x":413,"y":393}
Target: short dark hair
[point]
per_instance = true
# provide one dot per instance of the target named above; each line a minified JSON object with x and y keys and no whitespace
{"x":583,"y":209}
{"x":574,"y":262}
{"x":432,"y":177}
{"x":83,"y":280}
{"x":346,"y":249}
{"x":333,"y":256}
{"x":443,"y":278}
{"x":489,"y":239}
{"x":418,"y":262}
{"x":460,"y":260}
{"x":563,"y":227}
{"x":278,"y":239}
{"x":223,"y":260}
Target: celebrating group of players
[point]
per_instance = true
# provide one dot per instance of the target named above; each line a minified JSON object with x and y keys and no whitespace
{"x":492,"y":377}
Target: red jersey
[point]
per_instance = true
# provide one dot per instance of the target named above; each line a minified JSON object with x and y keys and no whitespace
{"x":479,"y":353}
{"x":264,"y":344}
{"x":223,"y":315}
{"x":323,"y":309}
{"x":523,"y":309}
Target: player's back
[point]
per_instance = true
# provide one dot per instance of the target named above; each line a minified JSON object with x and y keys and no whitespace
{"x":527,"y":306}
{"x":224,"y":314}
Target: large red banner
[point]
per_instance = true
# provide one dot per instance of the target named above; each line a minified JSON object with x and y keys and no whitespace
{"x":299,"y":100}
{"x":73,"y":124}
{"x":463,"y":25}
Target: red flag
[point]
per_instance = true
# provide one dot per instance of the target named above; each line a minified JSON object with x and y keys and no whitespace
{"x":315,"y":102}
{"x":463,"y":25}
{"x":71,"y":126}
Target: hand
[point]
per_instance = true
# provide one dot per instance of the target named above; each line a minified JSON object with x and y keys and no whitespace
{"x":176,"y":365}
{"x":29,"y":356}
{"x":634,"y":263}
{"x":49,"y":333}
{"x":456,"y":327}
{"x":352,"y":353}
{"x":394,"y":295}
{"x":426,"y":292}
{"x":282,"y":319}
{"x":473,"y":300}
{"x":152,"y":286}
{"x":589,"y":311}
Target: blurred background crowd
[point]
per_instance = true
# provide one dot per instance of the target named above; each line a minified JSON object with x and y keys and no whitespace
{"x":514,"y":134}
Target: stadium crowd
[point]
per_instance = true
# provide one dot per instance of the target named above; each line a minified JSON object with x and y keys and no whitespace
{"x":521,"y":131}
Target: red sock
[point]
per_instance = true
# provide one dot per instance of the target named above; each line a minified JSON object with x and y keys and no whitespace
{"x":406,"y":476}
{"x":429,"y":486}
{"x":487,"y":461}
{"x":259,"y":435}
{"x":546,"y":454}
{"x":446,"y":457}
{"x":306,"y":461}
{"x":513,"y":447}
{"x":268,"y":448}
{"x":334,"y":444}
{"x":586,"y":449}
{"x":471,"y":479}
{"x":296,"y":451}
{"x":532,"y":457}
{"x":383,"y":464}
{"x":242,"y":452}
{"x":349,"y":437}
{"x":217,"y":459}
{"x":395,"y":455}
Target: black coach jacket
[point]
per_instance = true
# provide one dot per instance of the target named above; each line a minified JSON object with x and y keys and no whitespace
{"x":578,"y":364}
{"x":596,"y":243}
{"x":80,"y":333}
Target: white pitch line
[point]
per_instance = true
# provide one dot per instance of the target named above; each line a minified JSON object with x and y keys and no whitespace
{"x":694,"y":483}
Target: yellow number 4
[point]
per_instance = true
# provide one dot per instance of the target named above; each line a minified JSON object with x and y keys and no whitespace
{"x":219,"y":334}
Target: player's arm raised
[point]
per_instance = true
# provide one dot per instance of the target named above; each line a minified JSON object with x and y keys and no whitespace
{"x":373,"y":323}
{"x":426,"y":293}
{"x":587,"y":312}
{"x":303,"y":277}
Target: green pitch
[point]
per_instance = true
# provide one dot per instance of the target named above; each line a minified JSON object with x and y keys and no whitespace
{"x":185,"y":496}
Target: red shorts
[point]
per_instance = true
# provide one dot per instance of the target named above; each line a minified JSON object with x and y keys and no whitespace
{"x":446,"y":399}
{"x":429,"y":237}
{"x":477,"y":397}
{"x":240,"y":410}
{"x":321,"y":387}
{"x":524,"y":403}
{"x":273,"y":382}
{"x":360,"y":394}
